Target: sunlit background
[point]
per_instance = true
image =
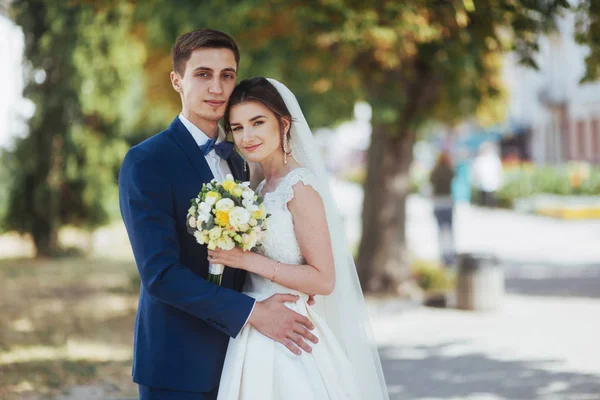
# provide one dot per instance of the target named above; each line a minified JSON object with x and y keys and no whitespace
{"x":503,"y":305}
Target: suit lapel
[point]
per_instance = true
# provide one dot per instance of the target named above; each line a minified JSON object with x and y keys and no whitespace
{"x":186,"y":142}
{"x":236,"y":165}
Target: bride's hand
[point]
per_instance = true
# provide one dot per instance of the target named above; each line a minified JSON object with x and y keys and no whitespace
{"x":235,"y":258}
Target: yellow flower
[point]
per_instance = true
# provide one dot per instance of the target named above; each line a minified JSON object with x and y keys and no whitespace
{"x":261,"y":213}
{"x":212,"y":197}
{"x":229,"y":186}
{"x":222,"y":218}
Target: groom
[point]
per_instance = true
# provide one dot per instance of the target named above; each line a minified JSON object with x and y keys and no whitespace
{"x":183,"y":322}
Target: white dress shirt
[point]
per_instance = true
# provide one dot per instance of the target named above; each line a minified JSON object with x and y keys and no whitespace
{"x":217,"y":165}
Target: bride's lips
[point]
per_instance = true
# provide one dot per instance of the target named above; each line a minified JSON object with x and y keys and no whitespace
{"x":252,"y":148}
{"x":215,"y":103}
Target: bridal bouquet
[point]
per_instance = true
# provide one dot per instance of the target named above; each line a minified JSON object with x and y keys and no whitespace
{"x":224,"y":215}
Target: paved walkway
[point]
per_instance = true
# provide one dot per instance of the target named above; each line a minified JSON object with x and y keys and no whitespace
{"x":532,"y":348}
{"x":543,"y":343}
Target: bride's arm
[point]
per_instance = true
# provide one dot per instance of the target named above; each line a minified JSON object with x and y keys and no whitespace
{"x":317,"y":276}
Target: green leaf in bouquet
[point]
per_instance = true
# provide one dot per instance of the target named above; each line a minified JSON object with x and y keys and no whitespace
{"x":190,"y":230}
{"x":237,"y":201}
{"x":208,"y":225}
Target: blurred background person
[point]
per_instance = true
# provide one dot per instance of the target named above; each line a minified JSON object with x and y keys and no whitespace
{"x":441,"y":178}
{"x":487,"y":175}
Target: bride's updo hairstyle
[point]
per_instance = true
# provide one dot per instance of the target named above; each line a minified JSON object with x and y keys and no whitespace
{"x":260,"y":90}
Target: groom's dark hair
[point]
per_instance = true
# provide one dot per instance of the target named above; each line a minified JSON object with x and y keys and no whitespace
{"x":201,"y":38}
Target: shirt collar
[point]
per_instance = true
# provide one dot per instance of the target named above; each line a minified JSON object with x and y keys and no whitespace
{"x":199,"y":137}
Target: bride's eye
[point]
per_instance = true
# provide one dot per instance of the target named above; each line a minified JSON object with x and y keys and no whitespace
{"x":257,"y":123}
{"x":237,"y":128}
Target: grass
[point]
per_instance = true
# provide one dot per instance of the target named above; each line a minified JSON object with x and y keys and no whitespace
{"x":64,"y":323}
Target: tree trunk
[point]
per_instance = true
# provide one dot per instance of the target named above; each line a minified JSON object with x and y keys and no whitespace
{"x":383,"y":259}
{"x":45,"y":240}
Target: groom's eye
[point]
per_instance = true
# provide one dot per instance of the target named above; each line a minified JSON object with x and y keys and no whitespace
{"x":229,"y":76}
{"x":203,"y":74}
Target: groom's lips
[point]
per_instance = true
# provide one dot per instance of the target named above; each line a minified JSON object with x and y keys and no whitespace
{"x":252,"y":148}
{"x":215,"y":103}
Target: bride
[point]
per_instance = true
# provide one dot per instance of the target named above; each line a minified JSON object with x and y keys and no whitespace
{"x":303,"y":252}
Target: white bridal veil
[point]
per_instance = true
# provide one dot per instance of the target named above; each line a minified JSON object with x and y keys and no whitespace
{"x":344,"y":310}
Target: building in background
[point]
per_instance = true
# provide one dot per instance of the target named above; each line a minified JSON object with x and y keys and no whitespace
{"x":560,"y":115}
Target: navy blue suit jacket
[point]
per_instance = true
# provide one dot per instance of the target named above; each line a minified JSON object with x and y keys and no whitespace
{"x":183,"y":322}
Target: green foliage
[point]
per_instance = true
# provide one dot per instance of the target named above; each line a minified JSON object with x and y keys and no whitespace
{"x":85,"y":74}
{"x":588,"y":33}
{"x":431,"y":277}
{"x":569,"y":180}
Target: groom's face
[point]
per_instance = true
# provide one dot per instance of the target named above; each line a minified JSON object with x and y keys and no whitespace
{"x":206,"y":84}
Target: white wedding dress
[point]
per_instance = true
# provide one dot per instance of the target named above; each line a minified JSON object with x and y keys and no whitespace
{"x":259,"y":368}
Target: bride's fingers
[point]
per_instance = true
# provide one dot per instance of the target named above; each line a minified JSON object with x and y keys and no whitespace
{"x":301,"y":330}
{"x":214,"y":259}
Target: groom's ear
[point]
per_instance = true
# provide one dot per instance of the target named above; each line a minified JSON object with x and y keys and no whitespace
{"x":176,"y":81}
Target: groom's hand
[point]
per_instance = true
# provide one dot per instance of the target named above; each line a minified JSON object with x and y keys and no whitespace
{"x":273,"y":319}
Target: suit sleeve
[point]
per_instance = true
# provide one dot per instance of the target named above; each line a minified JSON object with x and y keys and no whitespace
{"x":146,"y":202}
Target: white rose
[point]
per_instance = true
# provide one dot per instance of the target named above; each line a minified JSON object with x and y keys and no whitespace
{"x":253,"y":222}
{"x":225,"y":243}
{"x":248,"y":194}
{"x":238,"y":217}
{"x":229,"y":177}
{"x":249,"y":240}
{"x":205,"y":208}
{"x":215,"y":233}
{"x":224,"y":205}
{"x":249,"y":205}
{"x":210,"y":200}
{"x":192,"y":222}
{"x":200,"y":237}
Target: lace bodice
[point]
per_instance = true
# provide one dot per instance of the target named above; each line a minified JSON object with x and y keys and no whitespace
{"x":279,"y":242}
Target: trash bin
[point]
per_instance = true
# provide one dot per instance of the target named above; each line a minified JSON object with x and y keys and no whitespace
{"x":479,"y":282}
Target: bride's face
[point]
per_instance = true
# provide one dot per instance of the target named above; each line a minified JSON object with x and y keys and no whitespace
{"x":256,"y":131}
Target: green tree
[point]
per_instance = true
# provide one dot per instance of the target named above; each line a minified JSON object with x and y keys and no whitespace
{"x":414,"y":61}
{"x":85,"y":79}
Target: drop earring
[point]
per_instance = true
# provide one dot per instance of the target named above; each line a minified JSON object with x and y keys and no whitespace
{"x":285,"y":148}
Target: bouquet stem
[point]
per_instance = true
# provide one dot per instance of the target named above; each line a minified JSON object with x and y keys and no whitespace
{"x":215,"y":273}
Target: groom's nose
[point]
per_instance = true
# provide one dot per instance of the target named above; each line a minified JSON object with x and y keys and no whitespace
{"x":215,"y":86}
